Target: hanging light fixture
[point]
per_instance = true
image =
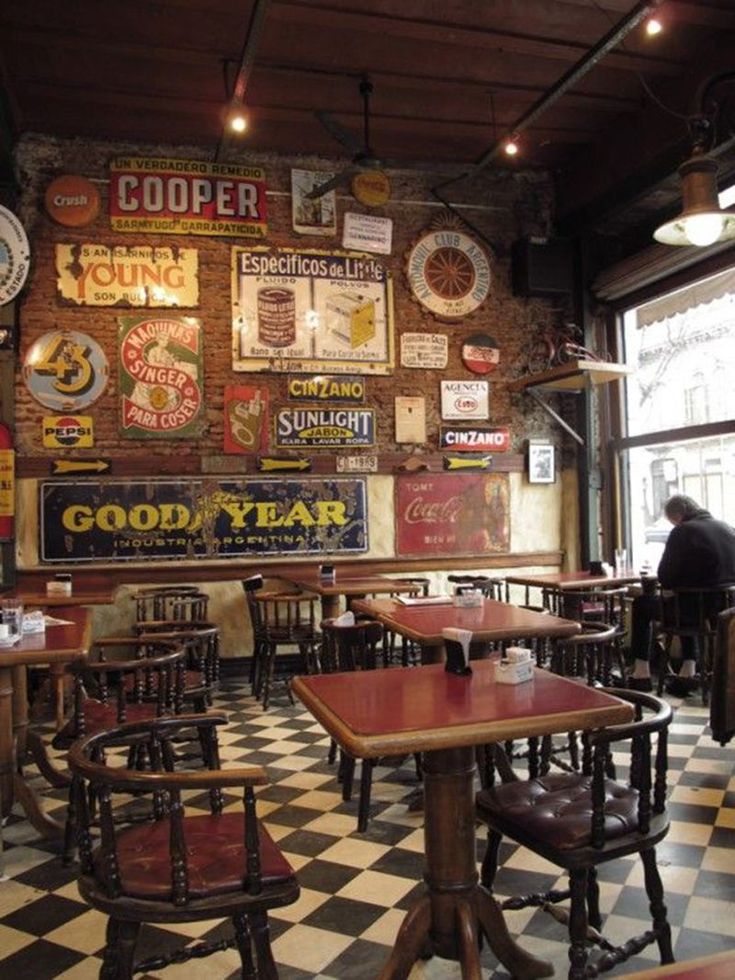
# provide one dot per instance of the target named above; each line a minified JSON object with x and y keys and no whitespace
{"x":702,"y":221}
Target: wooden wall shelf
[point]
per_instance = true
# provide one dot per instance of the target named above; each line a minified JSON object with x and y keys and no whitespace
{"x":574,"y":376}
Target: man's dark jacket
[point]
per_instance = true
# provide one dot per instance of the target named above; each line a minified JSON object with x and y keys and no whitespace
{"x":699,"y":553}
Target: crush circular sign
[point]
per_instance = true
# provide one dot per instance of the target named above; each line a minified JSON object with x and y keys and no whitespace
{"x":480,"y":353}
{"x":160,"y":377}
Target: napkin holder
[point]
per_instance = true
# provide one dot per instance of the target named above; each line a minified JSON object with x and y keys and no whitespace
{"x":34,"y":622}
{"x":516,"y":667}
{"x":457,"y":644}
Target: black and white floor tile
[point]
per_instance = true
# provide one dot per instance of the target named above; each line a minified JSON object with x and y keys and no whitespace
{"x":356,"y":887}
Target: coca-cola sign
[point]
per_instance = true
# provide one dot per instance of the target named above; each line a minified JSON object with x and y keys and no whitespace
{"x":452,"y":514}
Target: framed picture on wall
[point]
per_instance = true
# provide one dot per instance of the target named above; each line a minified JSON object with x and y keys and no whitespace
{"x":541,"y":467}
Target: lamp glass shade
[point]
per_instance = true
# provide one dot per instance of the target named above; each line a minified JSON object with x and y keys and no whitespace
{"x":701,"y":221}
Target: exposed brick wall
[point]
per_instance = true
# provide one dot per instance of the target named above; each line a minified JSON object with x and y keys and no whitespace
{"x":504,"y":206}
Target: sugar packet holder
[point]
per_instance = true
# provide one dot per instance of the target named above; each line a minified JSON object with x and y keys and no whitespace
{"x":516,"y":667}
{"x":457,"y":644}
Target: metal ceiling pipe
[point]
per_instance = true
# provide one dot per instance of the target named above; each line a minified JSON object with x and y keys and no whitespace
{"x":567,"y":80}
{"x":245,"y":65}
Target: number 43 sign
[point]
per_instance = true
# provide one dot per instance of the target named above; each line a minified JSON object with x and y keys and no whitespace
{"x":65,"y":370}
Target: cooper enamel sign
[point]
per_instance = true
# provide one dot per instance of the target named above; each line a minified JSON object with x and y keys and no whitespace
{"x":160,"y":377}
{"x":126,"y":275}
{"x":309,"y":311}
{"x":448,"y":273}
{"x":465,"y":399}
{"x":15,"y":256}
{"x":187,"y":197}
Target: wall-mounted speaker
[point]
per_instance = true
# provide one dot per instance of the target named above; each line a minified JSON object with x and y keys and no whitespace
{"x":542,"y":267}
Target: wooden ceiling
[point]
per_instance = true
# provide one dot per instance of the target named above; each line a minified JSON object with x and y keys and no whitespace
{"x":450,"y":78}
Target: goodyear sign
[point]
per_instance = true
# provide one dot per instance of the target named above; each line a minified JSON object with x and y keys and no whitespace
{"x":325,"y":427}
{"x":201,"y":518}
{"x":68,"y":431}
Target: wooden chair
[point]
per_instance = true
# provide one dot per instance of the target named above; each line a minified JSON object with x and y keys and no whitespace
{"x":250,"y":586}
{"x":491,"y":588}
{"x":353,"y":649}
{"x":692,"y":614}
{"x":410,"y":652}
{"x":201,"y":642}
{"x":579,"y":820}
{"x":722,"y":707}
{"x":605,"y":605}
{"x":180,"y":865}
{"x":287,"y":619}
{"x":109,"y":693}
{"x":589,"y":654}
{"x":172,"y":602}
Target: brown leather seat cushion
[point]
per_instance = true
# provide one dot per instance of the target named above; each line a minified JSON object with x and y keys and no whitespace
{"x":99,"y":716}
{"x":215,"y":857}
{"x":557,"y":809}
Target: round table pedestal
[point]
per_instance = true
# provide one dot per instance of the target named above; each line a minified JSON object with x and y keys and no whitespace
{"x":456,"y":909}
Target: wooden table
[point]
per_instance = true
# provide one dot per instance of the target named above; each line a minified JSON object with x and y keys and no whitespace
{"x":33,"y":599}
{"x":425,"y":709}
{"x":563,"y":581}
{"x":42,"y":600}
{"x":349,"y":586}
{"x":58,"y":646}
{"x":492,"y":621}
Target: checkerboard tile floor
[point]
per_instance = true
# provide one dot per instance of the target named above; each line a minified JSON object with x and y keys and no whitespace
{"x":355,"y":887}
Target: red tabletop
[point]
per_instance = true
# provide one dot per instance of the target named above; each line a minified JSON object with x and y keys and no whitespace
{"x":492,"y":620}
{"x":350,"y":585}
{"x":58,"y":643}
{"x":418,"y":709}
{"x":572,"y":580}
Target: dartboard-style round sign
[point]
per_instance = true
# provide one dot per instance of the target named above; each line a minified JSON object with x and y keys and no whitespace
{"x":480,"y":353}
{"x":448,"y":273}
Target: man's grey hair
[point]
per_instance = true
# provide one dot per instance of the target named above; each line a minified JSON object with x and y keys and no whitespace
{"x":681,"y":506}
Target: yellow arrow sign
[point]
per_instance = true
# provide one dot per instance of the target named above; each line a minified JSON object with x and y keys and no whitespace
{"x":269,"y":464}
{"x":474,"y":463}
{"x":62,"y":467}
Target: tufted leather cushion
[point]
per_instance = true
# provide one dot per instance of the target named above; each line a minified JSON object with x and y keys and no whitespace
{"x":99,"y":716}
{"x":215,"y":854}
{"x":557,"y":809}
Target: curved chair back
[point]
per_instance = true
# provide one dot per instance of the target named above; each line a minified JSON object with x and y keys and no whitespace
{"x":181,"y":865}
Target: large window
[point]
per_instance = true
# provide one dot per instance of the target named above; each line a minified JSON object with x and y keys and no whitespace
{"x":679,"y":408}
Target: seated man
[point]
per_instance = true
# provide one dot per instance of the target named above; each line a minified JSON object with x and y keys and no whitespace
{"x":699,"y":554}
